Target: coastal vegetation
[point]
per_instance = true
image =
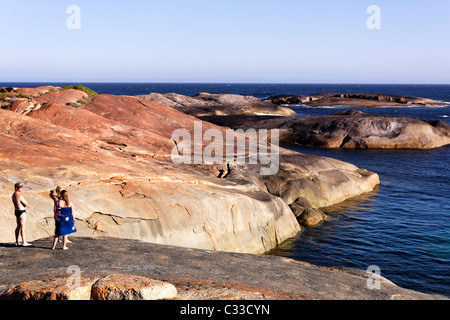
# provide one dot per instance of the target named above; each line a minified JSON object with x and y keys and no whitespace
{"x":80,"y":87}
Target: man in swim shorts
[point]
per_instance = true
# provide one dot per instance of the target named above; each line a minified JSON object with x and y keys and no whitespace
{"x":21,"y":215}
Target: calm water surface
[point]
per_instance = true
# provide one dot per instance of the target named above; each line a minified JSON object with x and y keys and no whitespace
{"x":402,"y":226}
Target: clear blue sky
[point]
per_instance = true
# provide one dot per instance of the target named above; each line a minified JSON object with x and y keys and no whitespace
{"x":287,"y":41}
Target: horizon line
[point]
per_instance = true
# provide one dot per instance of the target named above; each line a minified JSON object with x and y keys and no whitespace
{"x":214,"y":82}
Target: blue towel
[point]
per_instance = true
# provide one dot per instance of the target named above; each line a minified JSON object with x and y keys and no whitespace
{"x":64,"y":222}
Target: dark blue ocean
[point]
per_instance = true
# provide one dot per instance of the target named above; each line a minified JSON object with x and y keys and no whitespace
{"x":403,"y":227}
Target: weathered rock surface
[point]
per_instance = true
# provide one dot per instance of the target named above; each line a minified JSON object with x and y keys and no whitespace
{"x":64,"y":97}
{"x":111,"y":287}
{"x":322,"y":181}
{"x":125,"y":287}
{"x":354,"y":100}
{"x":25,"y":100}
{"x":23,"y":106}
{"x":204,"y":104}
{"x":349,"y":129}
{"x":306,"y":214}
{"x":311,"y":217}
{"x":196,"y":274}
{"x":113,"y":155}
{"x":58,"y":288}
{"x":35,"y":92}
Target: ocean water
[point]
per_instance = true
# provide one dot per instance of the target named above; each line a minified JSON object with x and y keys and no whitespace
{"x":403,"y":226}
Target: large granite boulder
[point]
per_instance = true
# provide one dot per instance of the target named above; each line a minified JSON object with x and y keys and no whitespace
{"x":348,"y":129}
{"x":111,"y":287}
{"x":23,"y":106}
{"x":126,"y":287}
{"x":306,"y":214}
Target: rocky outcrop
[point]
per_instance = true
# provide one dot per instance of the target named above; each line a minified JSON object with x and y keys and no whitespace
{"x":205,"y":104}
{"x":306,"y":214}
{"x":23,"y":106}
{"x":63,"y":97}
{"x":111,"y":287}
{"x":114,"y":156}
{"x":125,"y":287}
{"x":349,"y":129}
{"x":49,"y":289}
{"x":119,"y":268}
{"x":353,"y":100}
{"x":25,"y":100}
{"x":35,"y":92}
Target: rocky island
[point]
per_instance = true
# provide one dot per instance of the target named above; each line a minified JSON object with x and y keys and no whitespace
{"x":366,"y":100}
{"x":350,"y":129}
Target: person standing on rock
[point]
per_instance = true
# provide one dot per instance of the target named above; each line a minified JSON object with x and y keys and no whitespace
{"x":64,"y":220}
{"x":56,"y":196}
{"x":20,"y":204}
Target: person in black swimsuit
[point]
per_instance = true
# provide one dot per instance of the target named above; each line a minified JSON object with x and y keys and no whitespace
{"x":20,"y":204}
{"x":19,"y":213}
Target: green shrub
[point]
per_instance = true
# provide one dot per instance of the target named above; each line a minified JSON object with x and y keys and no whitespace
{"x":81,"y":88}
{"x":4,"y":96}
{"x":22,"y":95}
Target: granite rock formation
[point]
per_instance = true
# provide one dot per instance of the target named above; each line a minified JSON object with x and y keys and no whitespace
{"x":307,"y":215}
{"x":348,"y":129}
{"x":354,"y":100}
{"x":114,"y":156}
{"x":125,"y":287}
{"x":205,"y":104}
{"x":111,"y":287}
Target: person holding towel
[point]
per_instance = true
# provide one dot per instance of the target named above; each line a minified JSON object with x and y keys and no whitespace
{"x":64,"y":220}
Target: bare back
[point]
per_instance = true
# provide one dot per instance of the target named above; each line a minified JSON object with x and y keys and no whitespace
{"x":62,"y":204}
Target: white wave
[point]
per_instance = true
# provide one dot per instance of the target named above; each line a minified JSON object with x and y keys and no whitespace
{"x":444,"y":116}
{"x":267,"y":114}
{"x":377,"y":107}
{"x":318,"y":107}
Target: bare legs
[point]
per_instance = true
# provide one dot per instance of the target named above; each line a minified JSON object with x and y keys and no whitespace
{"x":65,"y":238}
{"x":20,"y":230}
{"x":55,"y":241}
